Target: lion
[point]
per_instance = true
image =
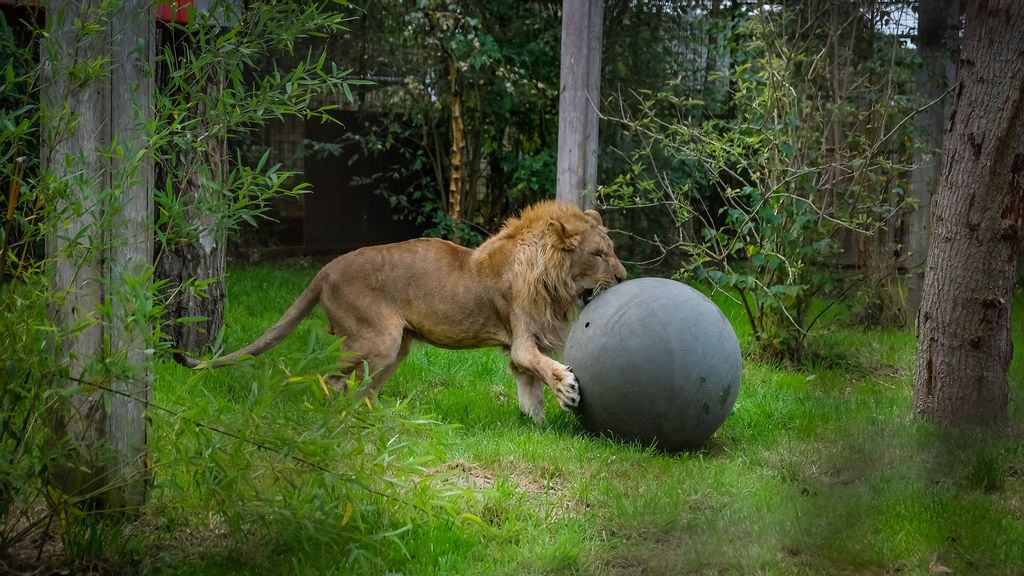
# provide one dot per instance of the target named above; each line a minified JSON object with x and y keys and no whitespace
{"x":517,"y":290}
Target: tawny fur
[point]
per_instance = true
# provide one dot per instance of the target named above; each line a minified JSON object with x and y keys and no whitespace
{"x":517,"y":291}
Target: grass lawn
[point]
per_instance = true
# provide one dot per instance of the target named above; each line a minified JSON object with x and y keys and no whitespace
{"x":818,"y":471}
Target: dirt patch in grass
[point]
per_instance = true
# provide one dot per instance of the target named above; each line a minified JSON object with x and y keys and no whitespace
{"x":464,"y":475}
{"x":550,"y":489}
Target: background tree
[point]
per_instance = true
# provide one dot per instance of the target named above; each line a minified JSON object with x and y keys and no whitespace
{"x":191,"y":266}
{"x":507,"y":59}
{"x":504,"y":88}
{"x":937,"y":39}
{"x":213,"y":89}
{"x":964,"y":344}
{"x":769,"y":196}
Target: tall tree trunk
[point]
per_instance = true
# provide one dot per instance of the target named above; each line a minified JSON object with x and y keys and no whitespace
{"x":582,"y":25}
{"x":194,"y":311}
{"x":101,"y":244}
{"x":964,"y":343}
{"x":937,"y":37}
{"x":194,"y":271}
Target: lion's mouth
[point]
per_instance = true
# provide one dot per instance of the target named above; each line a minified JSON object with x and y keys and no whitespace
{"x":587,"y":295}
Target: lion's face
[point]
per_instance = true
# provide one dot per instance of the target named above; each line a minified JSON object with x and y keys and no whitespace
{"x":594,"y":263}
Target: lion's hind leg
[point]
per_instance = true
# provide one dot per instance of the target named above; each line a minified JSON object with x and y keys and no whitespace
{"x":531,"y":392}
{"x":375,"y":360}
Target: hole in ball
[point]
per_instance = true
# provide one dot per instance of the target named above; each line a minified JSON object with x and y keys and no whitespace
{"x":586,"y":325}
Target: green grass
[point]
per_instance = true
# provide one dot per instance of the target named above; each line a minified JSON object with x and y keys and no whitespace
{"x":818,"y":471}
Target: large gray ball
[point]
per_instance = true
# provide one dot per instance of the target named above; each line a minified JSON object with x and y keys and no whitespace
{"x":657,"y":363}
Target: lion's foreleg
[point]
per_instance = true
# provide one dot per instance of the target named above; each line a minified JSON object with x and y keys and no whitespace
{"x":531,"y":392}
{"x":559,"y":377}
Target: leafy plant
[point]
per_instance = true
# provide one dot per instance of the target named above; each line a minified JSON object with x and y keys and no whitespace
{"x":26,"y":376}
{"x":504,"y":58}
{"x":19,"y":125}
{"x":298,"y":468}
{"x":217,"y":88}
{"x":761,"y":201}
{"x":319,"y":472}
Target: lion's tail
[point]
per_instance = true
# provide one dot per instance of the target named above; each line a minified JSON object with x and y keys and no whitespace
{"x":272,"y":337}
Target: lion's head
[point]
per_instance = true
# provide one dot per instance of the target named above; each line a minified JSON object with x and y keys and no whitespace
{"x":594,"y":263}
{"x":557,"y":255}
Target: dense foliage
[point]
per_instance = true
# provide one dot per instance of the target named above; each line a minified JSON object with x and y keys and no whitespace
{"x":768,"y":198}
{"x":499,"y":62}
{"x":761,"y":149}
{"x":318,"y":461}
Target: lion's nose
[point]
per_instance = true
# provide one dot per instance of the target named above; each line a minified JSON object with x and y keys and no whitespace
{"x":620,"y":277}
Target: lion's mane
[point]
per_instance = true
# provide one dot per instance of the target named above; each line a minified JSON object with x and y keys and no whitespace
{"x":536,"y":251}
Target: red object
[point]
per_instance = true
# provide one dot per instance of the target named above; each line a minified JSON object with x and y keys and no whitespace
{"x":180,"y":14}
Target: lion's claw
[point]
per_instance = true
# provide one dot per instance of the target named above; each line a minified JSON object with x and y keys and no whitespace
{"x":569,"y":392}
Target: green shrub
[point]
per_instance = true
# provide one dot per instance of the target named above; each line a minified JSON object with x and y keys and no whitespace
{"x":760,"y":200}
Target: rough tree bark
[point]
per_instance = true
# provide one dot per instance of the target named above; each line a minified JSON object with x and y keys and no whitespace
{"x":964,"y":343}
{"x":103,"y":432}
{"x":203,"y":259}
{"x":579,"y":98}
{"x":937,"y":38}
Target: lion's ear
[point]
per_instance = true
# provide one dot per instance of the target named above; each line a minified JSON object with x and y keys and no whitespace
{"x":594,"y":217}
{"x":562,"y":236}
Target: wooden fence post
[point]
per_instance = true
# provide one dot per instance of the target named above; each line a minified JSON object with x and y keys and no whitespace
{"x":100,"y":240}
{"x":579,"y":100}
{"x":130,"y":243}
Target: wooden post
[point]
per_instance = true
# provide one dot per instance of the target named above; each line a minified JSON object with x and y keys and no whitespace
{"x":593,"y":101}
{"x":579,"y":99}
{"x":131,"y":243}
{"x":72,"y":157}
{"x":103,"y":433}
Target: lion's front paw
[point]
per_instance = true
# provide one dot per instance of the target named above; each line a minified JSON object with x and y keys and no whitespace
{"x":568,"y":390}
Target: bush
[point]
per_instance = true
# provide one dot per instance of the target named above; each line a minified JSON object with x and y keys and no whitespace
{"x":760,"y":199}
{"x":307,"y":472}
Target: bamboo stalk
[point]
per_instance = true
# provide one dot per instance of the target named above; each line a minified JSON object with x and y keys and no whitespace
{"x":12,"y":200}
{"x":458,"y":144}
